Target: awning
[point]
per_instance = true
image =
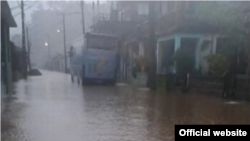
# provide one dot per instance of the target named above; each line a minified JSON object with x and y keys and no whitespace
{"x":5,"y":14}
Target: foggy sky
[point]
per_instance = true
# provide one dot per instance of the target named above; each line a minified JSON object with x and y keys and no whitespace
{"x":13,"y":3}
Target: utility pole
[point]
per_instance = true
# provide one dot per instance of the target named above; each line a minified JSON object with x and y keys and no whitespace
{"x":152,"y":47}
{"x":49,"y":45}
{"x":24,"y":62}
{"x":83,"y":21}
{"x":29,"y":44}
{"x":64,"y":41}
{"x":64,"y":37}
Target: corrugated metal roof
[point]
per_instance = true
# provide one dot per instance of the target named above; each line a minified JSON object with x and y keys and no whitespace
{"x":6,"y":15}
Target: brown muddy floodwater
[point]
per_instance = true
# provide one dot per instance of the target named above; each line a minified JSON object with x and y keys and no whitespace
{"x":51,"y":108}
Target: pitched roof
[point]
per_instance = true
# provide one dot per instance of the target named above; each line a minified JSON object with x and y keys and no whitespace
{"x":6,"y":15}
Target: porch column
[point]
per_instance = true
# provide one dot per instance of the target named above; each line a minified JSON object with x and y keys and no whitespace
{"x":214,"y":42}
{"x":157,"y":57}
{"x":177,"y":43}
{"x":197,"y":53}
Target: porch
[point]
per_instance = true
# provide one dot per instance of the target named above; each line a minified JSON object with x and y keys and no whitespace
{"x":200,"y":45}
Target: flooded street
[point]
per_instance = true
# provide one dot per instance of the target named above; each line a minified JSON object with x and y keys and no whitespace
{"x":51,"y":108}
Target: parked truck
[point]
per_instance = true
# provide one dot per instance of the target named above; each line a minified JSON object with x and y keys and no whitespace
{"x":98,"y":61}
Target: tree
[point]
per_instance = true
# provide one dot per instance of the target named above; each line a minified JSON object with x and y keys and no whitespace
{"x":228,"y":18}
{"x":218,"y":64}
{"x":225,"y":16}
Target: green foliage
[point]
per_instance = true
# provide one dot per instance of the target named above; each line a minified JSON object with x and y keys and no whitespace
{"x":218,"y":64}
{"x":228,"y":18}
{"x":184,"y":60}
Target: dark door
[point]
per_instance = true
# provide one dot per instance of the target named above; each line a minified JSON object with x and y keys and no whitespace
{"x":189,"y":44}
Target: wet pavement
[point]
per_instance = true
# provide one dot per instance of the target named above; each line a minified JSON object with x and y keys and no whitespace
{"x":51,"y":108}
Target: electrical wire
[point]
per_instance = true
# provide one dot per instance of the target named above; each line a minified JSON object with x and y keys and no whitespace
{"x":18,"y":4}
{"x":28,"y":7}
{"x":15,"y":7}
{"x":41,"y":30}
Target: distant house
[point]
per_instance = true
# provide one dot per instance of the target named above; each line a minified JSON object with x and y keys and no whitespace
{"x":7,"y":21}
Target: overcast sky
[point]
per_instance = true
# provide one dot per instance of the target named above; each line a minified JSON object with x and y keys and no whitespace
{"x":28,"y":12}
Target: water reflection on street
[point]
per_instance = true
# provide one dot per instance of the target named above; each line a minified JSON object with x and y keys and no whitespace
{"x":51,"y":108}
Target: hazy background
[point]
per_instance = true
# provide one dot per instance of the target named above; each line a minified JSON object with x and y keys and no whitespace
{"x":43,"y":21}
{"x":28,"y":12}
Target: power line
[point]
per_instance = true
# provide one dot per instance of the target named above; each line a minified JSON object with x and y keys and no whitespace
{"x":15,"y":7}
{"x":83,"y":21}
{"x":28,"y":5}
{"x":44,"y":21}
{"x":25,"y":9}
{"x":57,"y":22}
{"x":18,"y":4}
{"x":29,"y":2}
{"x":24,"y":63}
{"x":39,"y":30}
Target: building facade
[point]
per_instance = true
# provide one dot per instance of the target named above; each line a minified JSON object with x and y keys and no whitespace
{"x":181,"y":24}
{"x":7,"y":21}
{"x":188,"y":25}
